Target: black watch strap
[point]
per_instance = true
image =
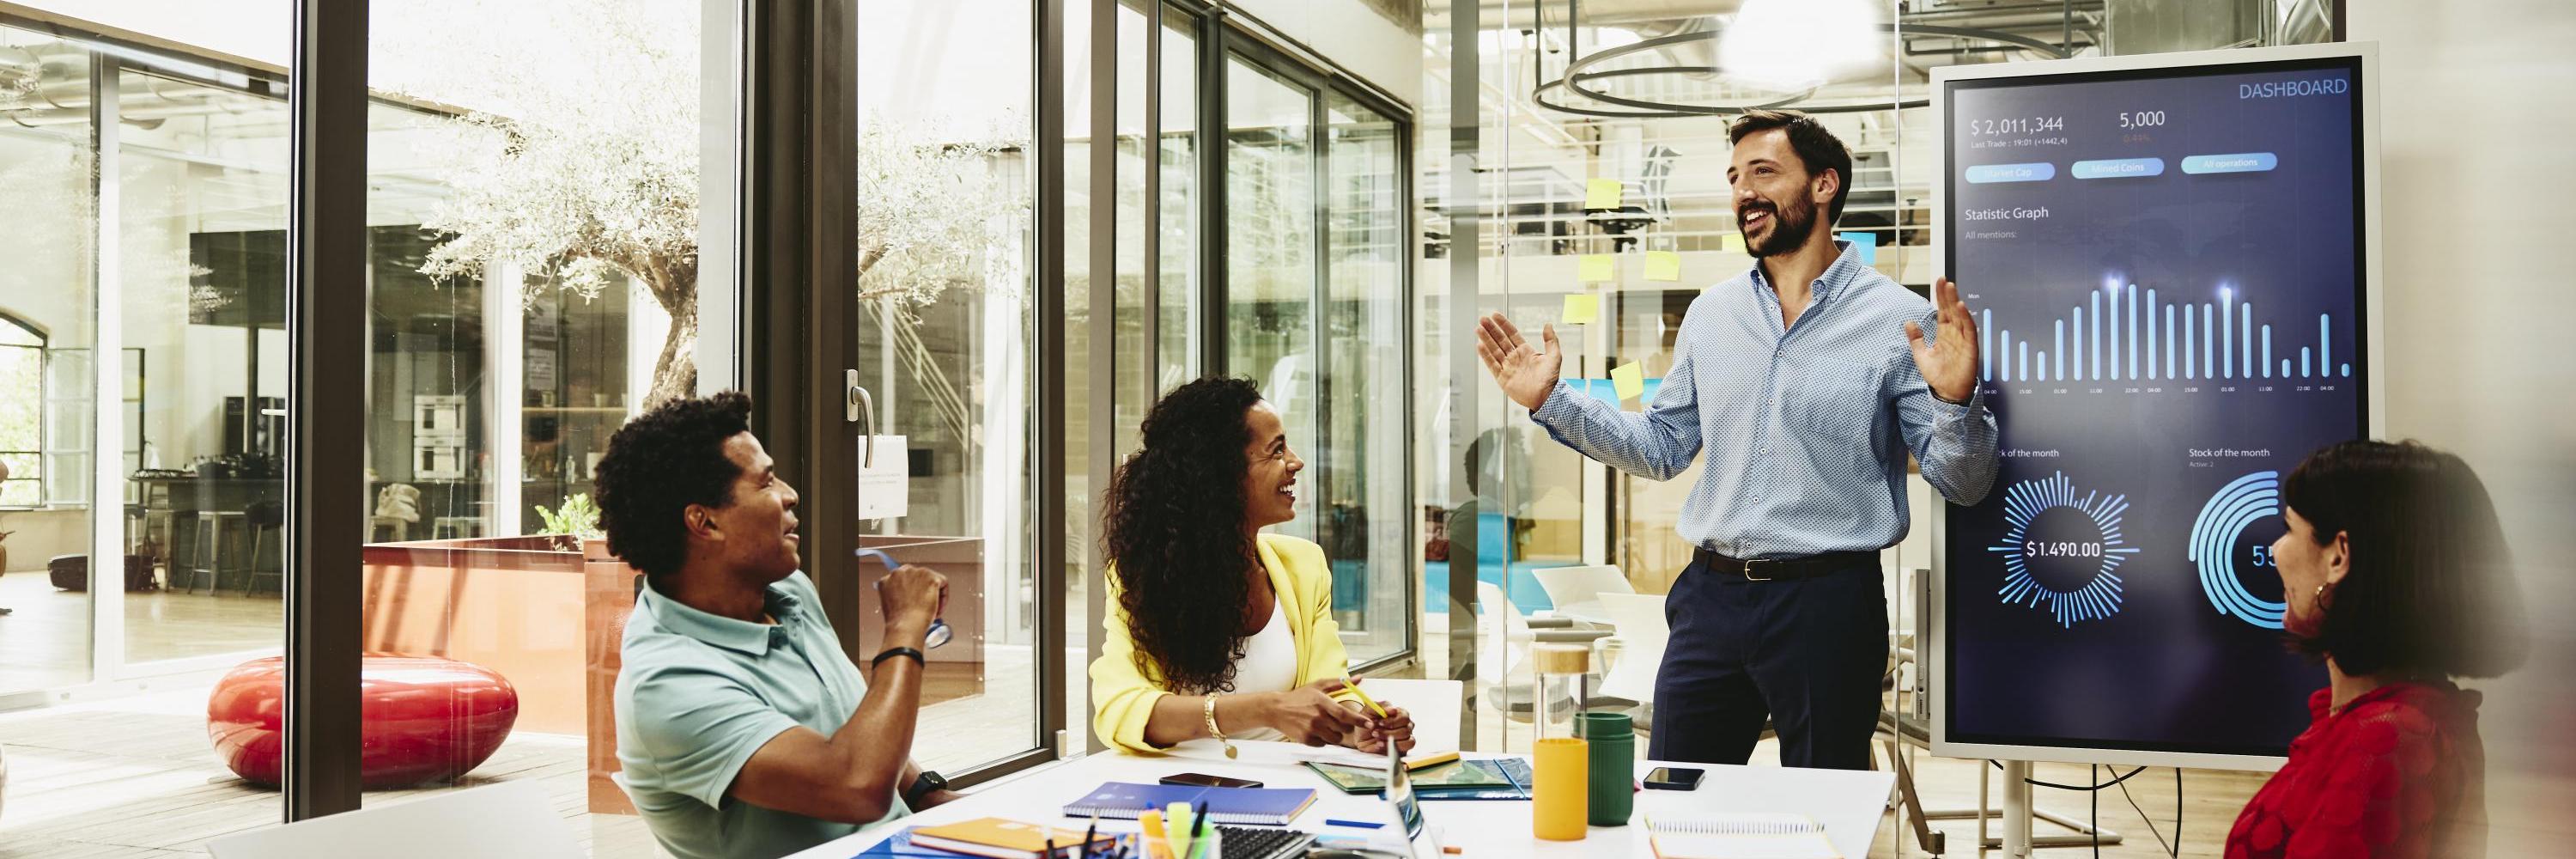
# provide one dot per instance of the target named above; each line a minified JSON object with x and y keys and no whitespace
{"x":892,"y":652}
{"x":928,"y":783}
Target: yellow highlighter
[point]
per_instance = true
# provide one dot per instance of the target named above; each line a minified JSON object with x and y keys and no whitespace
{"x":1156,"y":842}
{"x":1177,"y":827}
{"x":1354,"y":686}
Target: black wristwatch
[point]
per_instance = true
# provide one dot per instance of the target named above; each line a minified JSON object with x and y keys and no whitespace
{"x":929,"y":783}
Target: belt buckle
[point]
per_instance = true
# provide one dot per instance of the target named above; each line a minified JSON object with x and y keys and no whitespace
{"x":1748,"y":570}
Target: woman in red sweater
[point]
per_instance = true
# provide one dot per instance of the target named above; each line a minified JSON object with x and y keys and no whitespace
{"x":2397,"y":577}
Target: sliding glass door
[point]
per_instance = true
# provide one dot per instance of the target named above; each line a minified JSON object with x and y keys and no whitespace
{"x":1316,"y":291}
{"x":945,"y":326}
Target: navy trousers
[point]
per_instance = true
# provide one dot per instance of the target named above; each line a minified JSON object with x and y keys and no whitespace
{"x":1805,"y":653}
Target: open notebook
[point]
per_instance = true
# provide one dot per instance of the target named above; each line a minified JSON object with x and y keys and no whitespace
{"x":1739,"y":836}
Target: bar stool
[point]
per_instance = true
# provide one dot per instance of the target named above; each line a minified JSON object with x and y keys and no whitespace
{"x":208,"y":558}
{"x":262,"y":517}
{"x":153,"y":526}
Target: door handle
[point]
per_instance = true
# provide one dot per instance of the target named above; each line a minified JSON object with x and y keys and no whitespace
{"x":859,"y":408}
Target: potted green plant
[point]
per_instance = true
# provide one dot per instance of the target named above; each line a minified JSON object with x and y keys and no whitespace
{"x":575,"y":521}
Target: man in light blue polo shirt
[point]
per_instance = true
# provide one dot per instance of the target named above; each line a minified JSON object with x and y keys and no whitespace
{"x":742,"y":729}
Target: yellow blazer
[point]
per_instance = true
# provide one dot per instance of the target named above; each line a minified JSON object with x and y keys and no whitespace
{"x":1123,"y":697}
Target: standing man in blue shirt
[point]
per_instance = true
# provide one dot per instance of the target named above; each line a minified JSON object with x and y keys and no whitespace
{"x":1808,"y":381}
{"x":742,"y":729}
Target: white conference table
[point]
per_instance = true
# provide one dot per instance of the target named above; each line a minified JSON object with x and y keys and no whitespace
{"x":1848,"y":802}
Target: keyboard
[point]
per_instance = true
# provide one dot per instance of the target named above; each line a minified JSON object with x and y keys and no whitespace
{"x":1261,"y":842}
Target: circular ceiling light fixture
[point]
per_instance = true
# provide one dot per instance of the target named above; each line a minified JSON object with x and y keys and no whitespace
{"x":1779,"y":64}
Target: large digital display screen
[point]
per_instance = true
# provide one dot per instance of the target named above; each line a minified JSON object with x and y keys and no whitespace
{"x":2166,"y":267}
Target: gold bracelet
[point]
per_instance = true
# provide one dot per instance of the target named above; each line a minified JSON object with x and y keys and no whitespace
{"x":1210,"y":712}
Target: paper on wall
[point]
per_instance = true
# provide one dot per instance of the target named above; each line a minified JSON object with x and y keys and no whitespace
{"x":885,"y":489}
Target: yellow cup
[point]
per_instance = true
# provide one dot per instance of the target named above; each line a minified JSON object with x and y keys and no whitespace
{"x":1560,"y":773}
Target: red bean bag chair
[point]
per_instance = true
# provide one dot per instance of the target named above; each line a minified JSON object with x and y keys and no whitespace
{"x":424,"y":719}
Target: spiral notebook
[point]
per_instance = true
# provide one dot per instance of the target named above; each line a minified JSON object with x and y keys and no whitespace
{"x":1257,"y":806}
{"x":1739,"y":836}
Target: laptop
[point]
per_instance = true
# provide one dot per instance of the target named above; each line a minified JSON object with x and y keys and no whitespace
{"x":1418,"y":833}
{"x":1419,"y":841}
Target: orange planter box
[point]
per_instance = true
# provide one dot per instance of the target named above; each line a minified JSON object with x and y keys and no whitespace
{"x":546,"y":616}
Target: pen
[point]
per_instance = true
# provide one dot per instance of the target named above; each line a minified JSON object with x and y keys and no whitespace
{"x":1087,"y":834}
{"x":1354,"y":686}
{"x":1198,"y":827}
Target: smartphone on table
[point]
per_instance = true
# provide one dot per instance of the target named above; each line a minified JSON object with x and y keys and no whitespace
{"x":1674,"y":778}
{"x":1205,"y":780}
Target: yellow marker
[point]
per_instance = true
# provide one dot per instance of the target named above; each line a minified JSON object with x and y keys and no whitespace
{"x":1663,"y":265}
{"x":1595,"y":268}
{"x":1429,"y":761}
{"x":1581,"y":309}
{"x":1629,"y":380}
{"x":1354,"y":686}
{"x":1156,"y":842}
{"x":1603,"y":194}
{"x":1732,"y":242}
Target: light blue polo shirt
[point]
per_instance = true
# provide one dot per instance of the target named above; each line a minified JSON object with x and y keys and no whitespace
{"x":699,"y":693}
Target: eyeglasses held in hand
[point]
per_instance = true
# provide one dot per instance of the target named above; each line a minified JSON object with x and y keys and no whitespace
{"x":939,"y":632}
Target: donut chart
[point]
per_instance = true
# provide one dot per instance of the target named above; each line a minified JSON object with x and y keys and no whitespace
{"x":2099,"y":596}
{"x":2249,"y":499}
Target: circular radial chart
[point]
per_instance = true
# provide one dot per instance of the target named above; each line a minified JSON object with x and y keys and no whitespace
{"x":2250,"y":499}
{"x":2099,"y":596}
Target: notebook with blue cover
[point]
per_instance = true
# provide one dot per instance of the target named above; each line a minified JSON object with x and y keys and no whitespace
{"x":1257,"y":806}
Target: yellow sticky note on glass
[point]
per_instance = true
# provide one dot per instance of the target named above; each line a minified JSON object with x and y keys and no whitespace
{"x":1595,"y":268}
{"x":1629,"y":380}
{"x":1603,"y":194}
{"x":1663,"y":265}
{"x":1733,"y":242}
{"x":1581,"y":309}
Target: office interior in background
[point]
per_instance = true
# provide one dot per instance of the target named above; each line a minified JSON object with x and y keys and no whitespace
{"x":330,"y":377}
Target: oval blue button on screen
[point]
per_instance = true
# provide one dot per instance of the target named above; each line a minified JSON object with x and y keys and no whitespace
{"x":1985,"y":173}
{"x":2119,"y":168}
{"x":2242,"y":162}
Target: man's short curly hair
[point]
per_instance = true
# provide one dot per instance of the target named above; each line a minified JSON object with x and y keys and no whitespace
{"x":659,"y":464}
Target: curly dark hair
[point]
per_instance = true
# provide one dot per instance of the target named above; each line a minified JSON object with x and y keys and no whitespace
{"x":2431,"y":591}
{"x":1174,"y":523}
{"x":656,"y":466}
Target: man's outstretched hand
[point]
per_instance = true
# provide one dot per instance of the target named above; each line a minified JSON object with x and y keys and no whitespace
{"x":1948,"y":362}
{"x":1527,"y":373}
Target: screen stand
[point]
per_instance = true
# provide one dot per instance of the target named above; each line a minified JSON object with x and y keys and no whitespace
{"x":2018,"y":817}
{"x":2016,"y":808}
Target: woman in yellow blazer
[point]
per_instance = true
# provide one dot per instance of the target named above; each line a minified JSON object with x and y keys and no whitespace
{"x":1214,"y":628}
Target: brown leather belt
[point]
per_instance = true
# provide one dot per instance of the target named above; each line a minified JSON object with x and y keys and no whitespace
{"x":1769,"y":569}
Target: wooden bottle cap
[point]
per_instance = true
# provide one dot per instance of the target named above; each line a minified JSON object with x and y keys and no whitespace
{"x":1560,"y":658}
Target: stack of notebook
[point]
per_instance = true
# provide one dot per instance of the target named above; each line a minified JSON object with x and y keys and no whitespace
{"x":996,"y":837}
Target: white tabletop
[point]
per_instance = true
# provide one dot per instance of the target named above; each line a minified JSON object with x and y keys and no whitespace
{"x":1848,"y":802}
{"x":1588,"y":611}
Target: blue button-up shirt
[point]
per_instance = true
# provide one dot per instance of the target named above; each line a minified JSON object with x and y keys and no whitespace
{"x":699,"y":693}
{"x":1807,"y":429}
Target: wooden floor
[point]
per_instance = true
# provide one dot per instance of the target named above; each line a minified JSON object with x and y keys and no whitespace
{"x":47,"y":632}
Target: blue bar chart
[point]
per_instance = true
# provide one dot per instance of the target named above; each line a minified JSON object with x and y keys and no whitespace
{"x":2123,"y":332}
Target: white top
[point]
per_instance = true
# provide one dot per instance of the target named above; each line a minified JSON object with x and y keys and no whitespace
{"x":1269,"y":664}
